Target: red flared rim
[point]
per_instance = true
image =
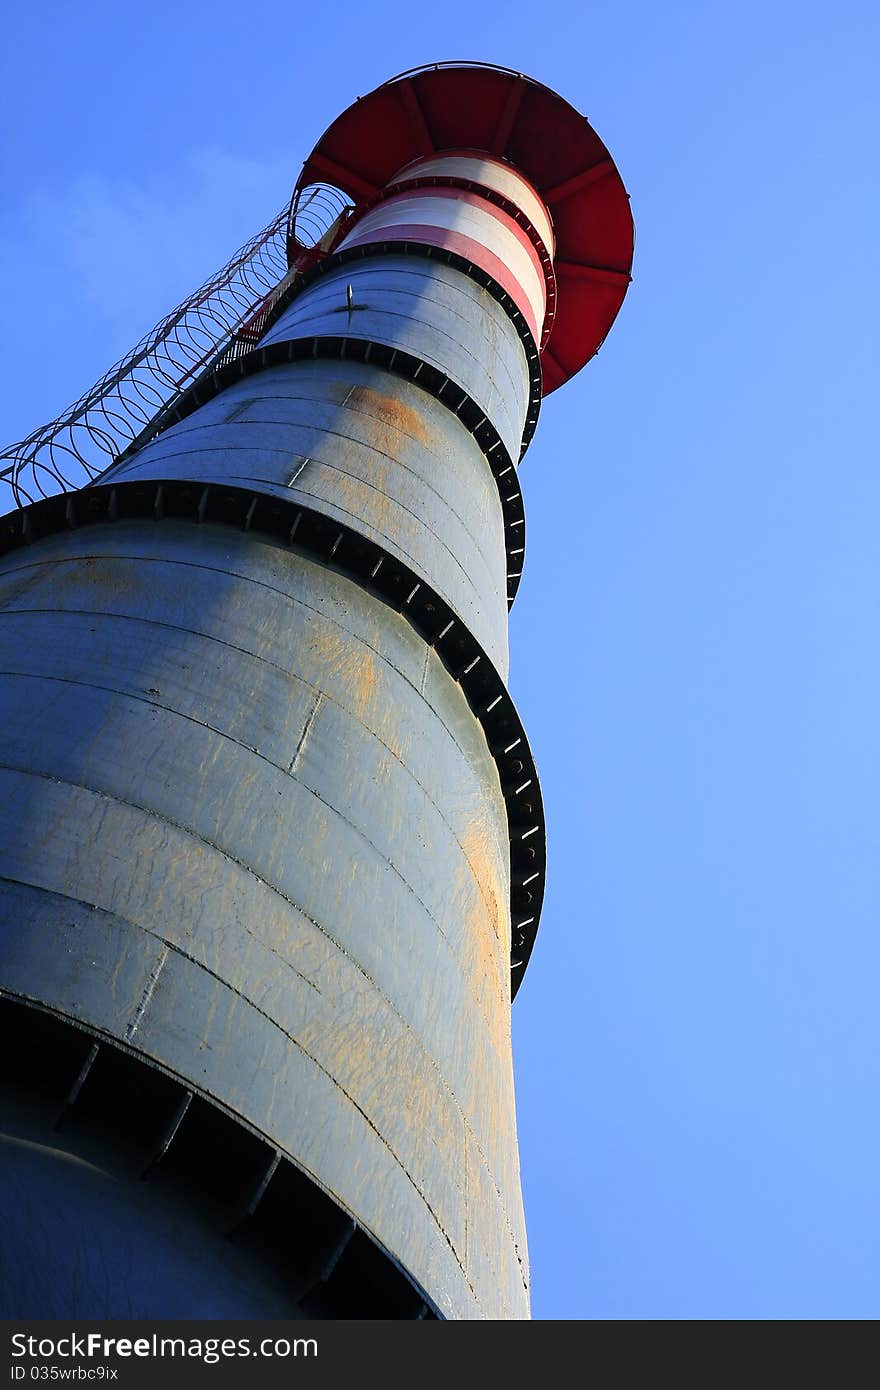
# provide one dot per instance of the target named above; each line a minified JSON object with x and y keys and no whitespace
{"x":448,"y":107}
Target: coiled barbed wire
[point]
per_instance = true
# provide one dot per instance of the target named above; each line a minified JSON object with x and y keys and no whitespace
{"x":223,"y":315}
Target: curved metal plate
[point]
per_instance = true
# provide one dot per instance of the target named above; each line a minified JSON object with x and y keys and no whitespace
{"x":373,"y":451}
{"x":296,"y":950}
{"x":432,"y":311}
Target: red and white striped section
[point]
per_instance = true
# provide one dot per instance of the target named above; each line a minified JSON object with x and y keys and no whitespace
{"x":460,"y":203}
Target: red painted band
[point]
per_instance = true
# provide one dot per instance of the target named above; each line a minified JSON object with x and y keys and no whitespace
{"x":468,"y":249}
{"x":461,"y":195}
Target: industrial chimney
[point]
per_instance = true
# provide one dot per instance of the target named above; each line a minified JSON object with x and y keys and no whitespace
{"x":271,"y":838}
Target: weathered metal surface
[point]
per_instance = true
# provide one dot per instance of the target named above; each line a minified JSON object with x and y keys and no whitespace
{"x":295,"y":950}
{"x":288,"y":525}
{"x":377,"y":453}
{"x":400,"y":364}
{"x":431,"y":311}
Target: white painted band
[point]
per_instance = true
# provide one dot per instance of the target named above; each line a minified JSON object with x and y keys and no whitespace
{"x":452,"y":214}
{"x":489,"y":173}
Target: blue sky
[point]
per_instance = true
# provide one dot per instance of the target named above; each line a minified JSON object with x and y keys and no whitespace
{"x":695,"y":640}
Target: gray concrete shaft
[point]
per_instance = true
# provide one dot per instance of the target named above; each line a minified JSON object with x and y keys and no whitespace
{"x":252,"y":830}
{"x":369,"y":449}
{"x":430,"y":310}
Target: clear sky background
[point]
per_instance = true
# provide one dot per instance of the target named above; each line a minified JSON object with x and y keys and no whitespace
{"x":695,"y":643}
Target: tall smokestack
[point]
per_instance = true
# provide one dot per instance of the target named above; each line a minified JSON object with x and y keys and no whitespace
{"x":272,"y":842}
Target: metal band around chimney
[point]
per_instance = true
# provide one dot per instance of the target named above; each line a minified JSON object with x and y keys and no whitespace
{"x":381,"y":574}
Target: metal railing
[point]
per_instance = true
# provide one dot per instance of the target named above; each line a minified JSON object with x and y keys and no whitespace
{"x":221,"y":320}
